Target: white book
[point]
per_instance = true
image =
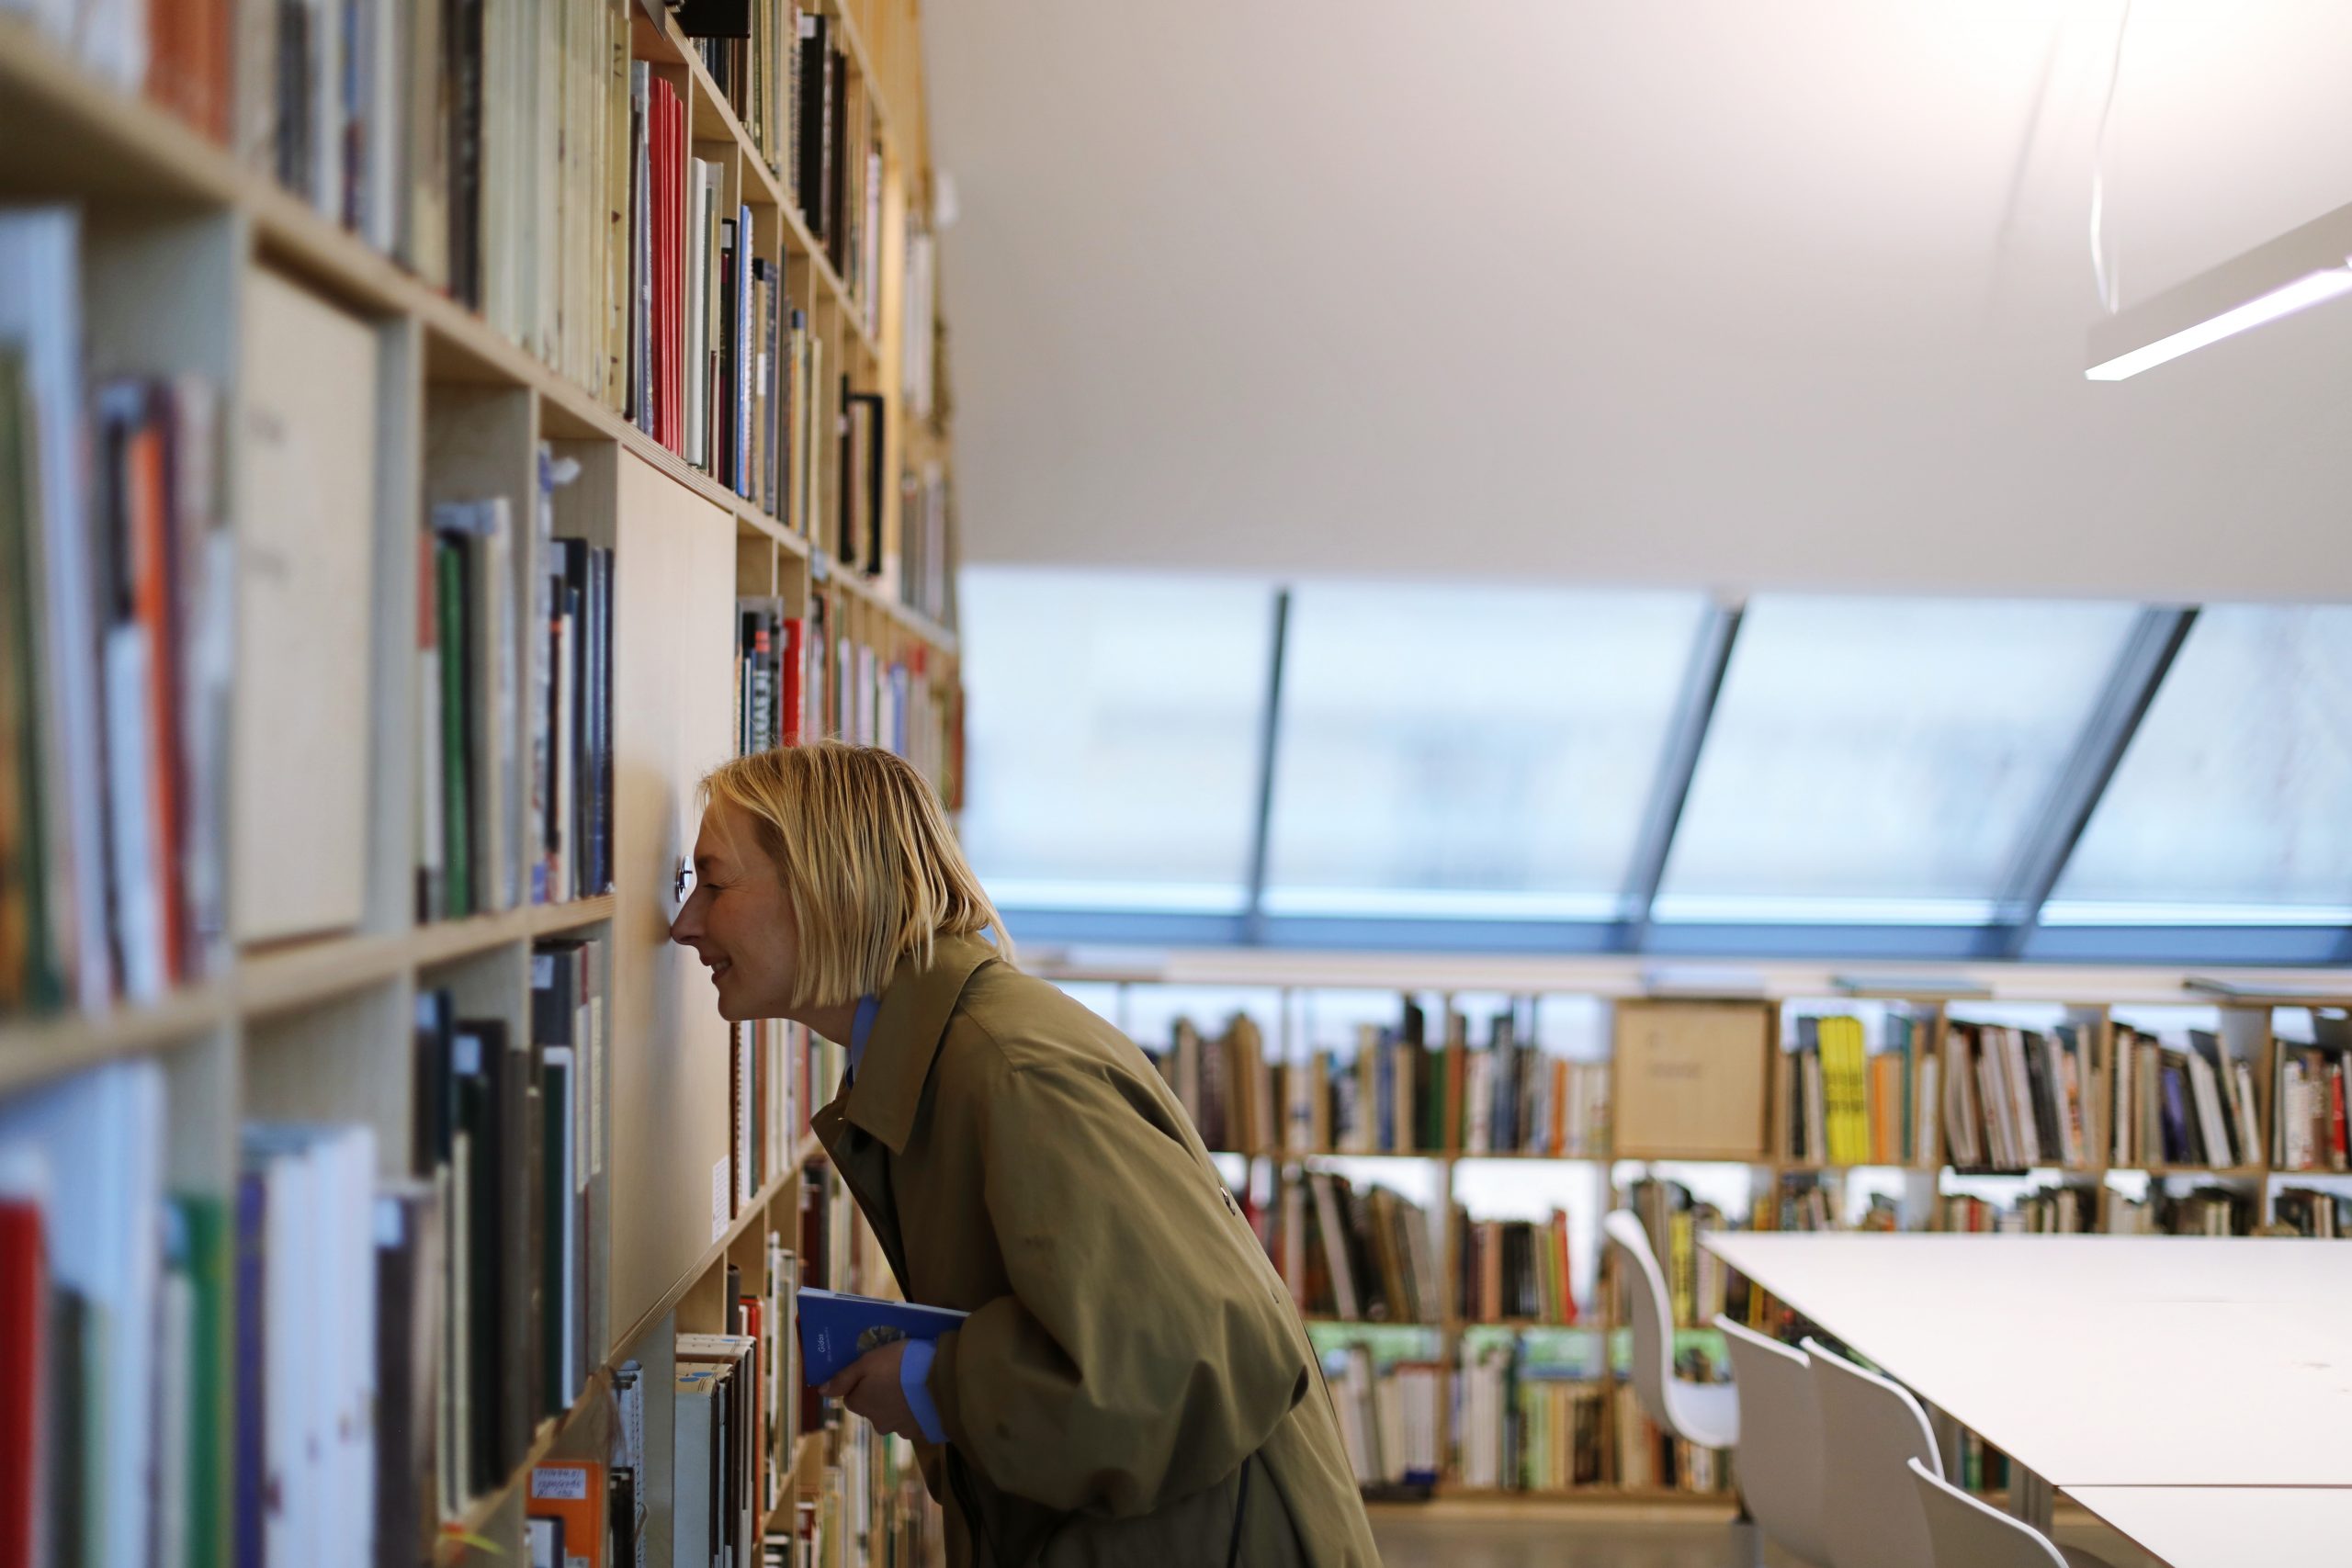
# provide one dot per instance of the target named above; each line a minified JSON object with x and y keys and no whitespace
{"x":2210,"y":1130}
{"x":135,"y":877}
{"x":306,"y":552}
{"x":325,"y":31}
{"x":699,"y":202}
{"x":2120,"y":1147}
{"x":694,"y":1530}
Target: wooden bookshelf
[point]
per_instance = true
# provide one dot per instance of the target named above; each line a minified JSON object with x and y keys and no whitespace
{"x":2039,"y":995}
{"x":321,"y":1028}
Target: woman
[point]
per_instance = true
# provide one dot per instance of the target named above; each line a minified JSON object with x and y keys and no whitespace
{"x":1132,"y":1386}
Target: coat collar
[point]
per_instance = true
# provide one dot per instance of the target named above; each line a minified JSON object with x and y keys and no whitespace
{"x":915,"y":1009}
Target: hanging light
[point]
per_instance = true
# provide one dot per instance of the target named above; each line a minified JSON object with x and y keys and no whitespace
{"x":2299,"y":269}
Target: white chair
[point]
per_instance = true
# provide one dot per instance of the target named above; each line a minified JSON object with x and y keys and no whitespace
{"x":1706,"y":1413}
{"x":1871,"y":1428}
{"x":1969,"y":1533}
{"x":1780,"y":1440}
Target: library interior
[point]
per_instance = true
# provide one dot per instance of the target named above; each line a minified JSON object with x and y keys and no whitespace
{"x":1651,"y":705}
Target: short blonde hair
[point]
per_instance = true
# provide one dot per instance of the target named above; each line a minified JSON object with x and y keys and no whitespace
{"x":866,"y":857}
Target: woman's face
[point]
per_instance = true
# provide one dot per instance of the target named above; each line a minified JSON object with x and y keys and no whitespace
{"x":739,"y":921}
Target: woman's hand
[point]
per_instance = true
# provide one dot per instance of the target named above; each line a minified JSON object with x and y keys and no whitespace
{"x":870,"y":1387}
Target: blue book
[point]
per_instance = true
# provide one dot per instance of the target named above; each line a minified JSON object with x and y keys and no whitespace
{"x":836,"y":1329}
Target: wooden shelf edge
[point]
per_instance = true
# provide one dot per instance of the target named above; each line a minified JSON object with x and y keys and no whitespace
{"x":35,"y":1050}
{"x":710,"y":1257}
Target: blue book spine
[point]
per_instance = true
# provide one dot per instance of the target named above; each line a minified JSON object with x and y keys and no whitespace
{"x":252,"y":1207}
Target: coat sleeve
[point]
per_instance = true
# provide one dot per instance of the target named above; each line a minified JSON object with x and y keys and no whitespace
{"x":1146,"y":1349}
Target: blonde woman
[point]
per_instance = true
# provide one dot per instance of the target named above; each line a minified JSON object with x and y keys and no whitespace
{"x":1132,"y":1386}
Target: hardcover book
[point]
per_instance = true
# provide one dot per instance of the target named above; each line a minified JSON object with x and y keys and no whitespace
{"x":836,"y":1329}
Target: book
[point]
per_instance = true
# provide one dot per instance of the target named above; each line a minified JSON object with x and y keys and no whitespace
{"x":306,"y":542}
{"x":836,"y":1327}
{"x":570,"y":1495}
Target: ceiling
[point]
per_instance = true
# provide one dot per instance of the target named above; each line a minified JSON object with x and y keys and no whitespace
{"x":1711,"y":294}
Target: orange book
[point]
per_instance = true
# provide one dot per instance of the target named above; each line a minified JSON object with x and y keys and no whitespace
{"x":150,"y":605}
{"x":572,"y":1492}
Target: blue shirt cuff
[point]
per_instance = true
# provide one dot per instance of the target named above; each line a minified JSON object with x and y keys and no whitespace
{"x":914,"y":1381}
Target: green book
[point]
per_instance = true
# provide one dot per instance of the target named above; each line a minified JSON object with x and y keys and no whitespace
{"x":456,"y":824}
{"x":205,"y":1228}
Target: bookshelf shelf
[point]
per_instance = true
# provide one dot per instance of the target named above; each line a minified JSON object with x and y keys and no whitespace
{"x":335,"y":1022}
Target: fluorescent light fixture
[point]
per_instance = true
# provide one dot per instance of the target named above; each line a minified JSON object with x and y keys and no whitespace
{"x":2299,"y":269}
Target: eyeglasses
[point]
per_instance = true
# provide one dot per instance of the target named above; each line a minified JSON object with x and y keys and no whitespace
{"x":682,"y":885}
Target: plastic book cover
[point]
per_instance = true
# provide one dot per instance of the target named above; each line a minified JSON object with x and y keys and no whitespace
{"x":836,"y":1329}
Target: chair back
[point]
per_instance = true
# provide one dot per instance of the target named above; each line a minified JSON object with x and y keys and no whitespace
{"x":1779,"y":1454}
{"x":1967,"y":1533}
{"x":1652,"y":1310}
{"x":1871,"y":1429}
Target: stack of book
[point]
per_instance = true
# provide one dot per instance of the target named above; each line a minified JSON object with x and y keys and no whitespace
{"x":1355,"y":1256}
{"x":2308,"y":1099}
{"x":480,"y":146}
{"x":2014,"y":1098}
{"x":509,"y":1136}
{"x":2053,"y":1210}
{"x":1396,"y":1094}
{"x":1225,"y":1084}
{"x":926,"y":511}
{"x":2205,"y":1211}
{"x":1650,"y":1460}
{"x":2173,"y":1107}
{"x":513,"y":748}
{"x":116,"y":601}
{"x":1507,"y":1270}
{"x":770,"y":673}
{"x":1388,"y":1416}
{"x":1697,"y":1282}
{"x":2307,"y":1211}
{"x":763,"y":1122}
{"x":1849,"y":1106}
{"x":115,"y":1299}
{"x":1803,"y":1201}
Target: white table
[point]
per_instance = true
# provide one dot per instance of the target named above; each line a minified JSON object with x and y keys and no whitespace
{"x":2106,"y":1364}
{"x":2229,"y":1527}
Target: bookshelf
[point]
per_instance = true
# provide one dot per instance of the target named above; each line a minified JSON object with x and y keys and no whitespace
{"x":691,"y":1159}
{"x":1292,"y":1060}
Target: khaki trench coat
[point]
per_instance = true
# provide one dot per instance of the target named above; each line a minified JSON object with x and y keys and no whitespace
{"x":1130,"y":1345}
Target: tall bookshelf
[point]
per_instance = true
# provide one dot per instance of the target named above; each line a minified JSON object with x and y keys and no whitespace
{"x":177,"y":233}
{"x":2259,"y":1019}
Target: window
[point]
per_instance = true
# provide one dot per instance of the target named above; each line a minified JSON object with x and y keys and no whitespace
{"x":1112,"y":724}
{"x":2233,"y":803}
{"x":1884,"y":759}
{"x":1469,"y":751}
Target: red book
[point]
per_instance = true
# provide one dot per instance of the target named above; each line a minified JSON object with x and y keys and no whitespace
{"x":24,"y":1296}
{"x":794,"y":698}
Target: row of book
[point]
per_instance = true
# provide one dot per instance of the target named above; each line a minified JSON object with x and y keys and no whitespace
{"x":1698,"y":1283}
{"x":510,"y":1138}
{"x":1396,"y":1094}
{"x":765,"y":1121}
{"x":1359,"y":1254}
{"x":2308,"y":1100}
{"x":1537,"y":1418}
{"x":1513,"y":1269}
{"x":2173,"y":1106}
{"x":784,"y":70}
{"x":116,"y":1297}
{"x":514,"y":734}
{"x":926,"y":523}
{"x":117,"y":590}
{"x":2014,"y":1098}
{"x":1845,"y":1105}
{"x":1388,"y":1416}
